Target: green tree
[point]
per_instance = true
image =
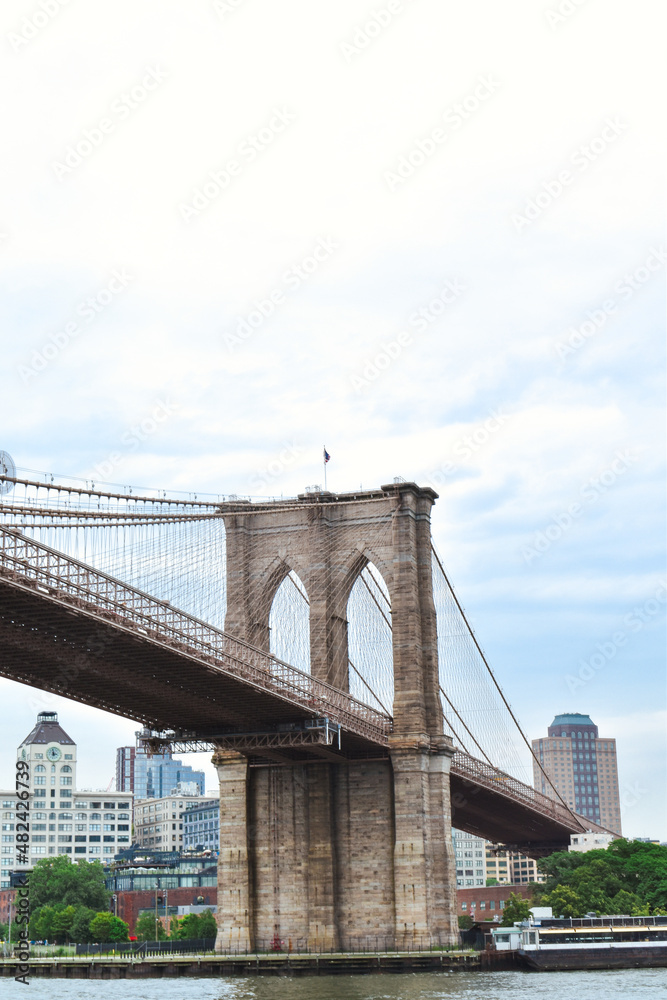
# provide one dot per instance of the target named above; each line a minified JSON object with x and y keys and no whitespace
{"x":80,"y":929}
{"x":516,"y":909}
{"x":105,"y":927}
{"x":492,"y":881}
{"x":465,"y":922}
{"x":625,"y":876}
{"x":41,"y":923}
{"x":145,"y":928}
{"x":564,"y":902}
{"x":62,"y":924}
{"x":58,"y":881}
{"x":189,"y":927}
{"x":208,"y":927}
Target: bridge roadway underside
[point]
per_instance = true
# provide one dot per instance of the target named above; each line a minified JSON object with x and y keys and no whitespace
{"x":48,"y":645}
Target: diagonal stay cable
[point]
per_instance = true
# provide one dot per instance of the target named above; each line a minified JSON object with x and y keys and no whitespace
{"x":453,"y":707}
{"x":365,"y":583}
{"x":361,"y":678}
{"x":366,"y":684}
{"x":499,"y":689}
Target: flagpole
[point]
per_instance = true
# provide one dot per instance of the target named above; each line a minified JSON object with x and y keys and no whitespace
{"x":325,"y":476}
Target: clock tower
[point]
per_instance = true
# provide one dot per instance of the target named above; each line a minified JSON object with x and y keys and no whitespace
{"x":51,"y":755}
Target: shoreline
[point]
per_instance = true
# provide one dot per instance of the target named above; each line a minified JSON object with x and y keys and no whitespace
{"x":209,"y":966}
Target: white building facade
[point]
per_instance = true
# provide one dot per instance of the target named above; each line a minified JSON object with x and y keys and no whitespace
{"x":84,"y":825}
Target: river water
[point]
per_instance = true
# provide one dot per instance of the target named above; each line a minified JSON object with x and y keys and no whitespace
{"x":625,"y":984}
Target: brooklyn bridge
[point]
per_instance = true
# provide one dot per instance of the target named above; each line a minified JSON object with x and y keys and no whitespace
{"x":316,"y":646}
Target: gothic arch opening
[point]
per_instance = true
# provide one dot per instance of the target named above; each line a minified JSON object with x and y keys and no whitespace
{"x":289,"y":623}
{"x":369,"y":635}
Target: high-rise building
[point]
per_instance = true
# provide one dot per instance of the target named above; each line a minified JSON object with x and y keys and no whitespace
{"x":152,"y":776}
{"x":125,"y":769}
{"x":477,"y":861}
{"x":158,"y":823}
{"x":201,"y":826}
{"x":84,"y":825}
{"x":582,"y":767}
{"x":470,"y":854}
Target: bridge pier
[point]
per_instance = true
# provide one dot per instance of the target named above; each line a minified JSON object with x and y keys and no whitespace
{"x":336,"y":856}
{"x":234,"y":893}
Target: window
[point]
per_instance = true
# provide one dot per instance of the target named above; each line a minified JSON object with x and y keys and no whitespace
{"x":95,"y":826}
{"x":7,"y":826}
{"x":39,"y":838}
{"x":65,"y":780}
{"x":109,"y":815}
{"x":79,"y":850}
{"x":109,"y":805}
{"x":94,"y":850}
{"x":95,"y":838}
{"x":40,"y":769}
{"x":40,"y":780}
{"x":7,"y":838}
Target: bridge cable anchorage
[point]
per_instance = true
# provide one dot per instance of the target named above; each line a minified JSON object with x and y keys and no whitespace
{"x":500,"y":691}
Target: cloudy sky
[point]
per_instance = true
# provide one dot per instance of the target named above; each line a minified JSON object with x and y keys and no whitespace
{"x":426,"y":234}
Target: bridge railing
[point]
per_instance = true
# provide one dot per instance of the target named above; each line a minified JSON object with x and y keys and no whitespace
{"x":481,"y":773}
{"x":64,"y":578}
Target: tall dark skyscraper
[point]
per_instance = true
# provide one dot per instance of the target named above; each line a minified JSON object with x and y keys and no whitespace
{"x":582,"y":766}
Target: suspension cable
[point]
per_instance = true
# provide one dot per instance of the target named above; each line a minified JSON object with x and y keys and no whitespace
{"x":499,"y":689}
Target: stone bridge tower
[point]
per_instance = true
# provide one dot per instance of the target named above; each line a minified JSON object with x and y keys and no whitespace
{"x":340,"y":853}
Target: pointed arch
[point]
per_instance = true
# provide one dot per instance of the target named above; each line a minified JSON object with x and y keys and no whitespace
{"x":370,"y":640}
{"x":289,"y":621}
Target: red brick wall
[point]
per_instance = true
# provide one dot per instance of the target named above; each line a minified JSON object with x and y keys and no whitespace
{"x":6,"y":896}
{"x":131,"y":901}
{"x":488,"y":894}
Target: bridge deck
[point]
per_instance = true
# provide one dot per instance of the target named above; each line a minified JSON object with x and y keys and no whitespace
{"x":69,"y":629}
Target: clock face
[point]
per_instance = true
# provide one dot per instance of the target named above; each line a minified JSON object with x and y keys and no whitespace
{"x":53,"y":753}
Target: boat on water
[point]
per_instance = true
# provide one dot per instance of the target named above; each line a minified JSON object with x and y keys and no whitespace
{"x":608,"y":942}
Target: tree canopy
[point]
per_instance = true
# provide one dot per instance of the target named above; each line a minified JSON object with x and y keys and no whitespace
{"x":57,"y":881}
{"x":516,"y":909}
{"x":628,"y":877}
